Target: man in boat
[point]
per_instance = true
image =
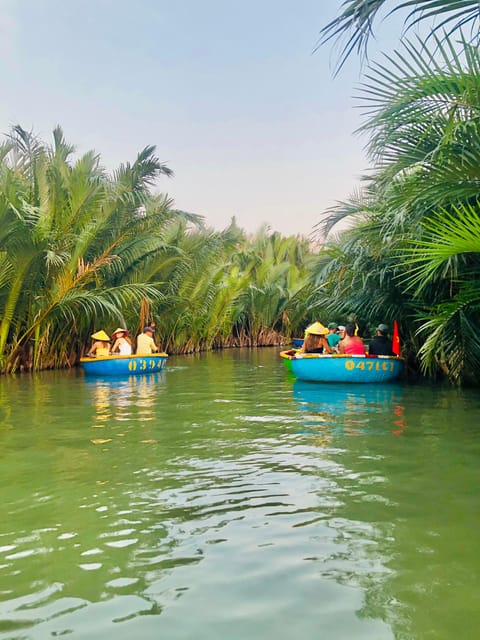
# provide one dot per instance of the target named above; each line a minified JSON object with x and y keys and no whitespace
{"x":333,"y":336}
{"x":145,"y":342}
{"x":381,"y":344}
{"x":152,"y":326}
{"x":101,"y":346}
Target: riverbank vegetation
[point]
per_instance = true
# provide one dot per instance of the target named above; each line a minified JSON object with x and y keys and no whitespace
{"x":81,"y":249}
{"x":412,"y":251}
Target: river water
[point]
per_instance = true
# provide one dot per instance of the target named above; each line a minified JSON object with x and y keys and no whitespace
{"x":222,"y":499}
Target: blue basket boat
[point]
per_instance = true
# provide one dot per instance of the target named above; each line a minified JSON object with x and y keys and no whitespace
{"x":124,"y":365}
{"x":314,"y":367}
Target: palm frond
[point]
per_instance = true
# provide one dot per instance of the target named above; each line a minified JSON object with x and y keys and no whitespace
{"x":354,"y":27}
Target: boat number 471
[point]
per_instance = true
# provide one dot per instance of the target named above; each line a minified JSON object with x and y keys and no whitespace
{"x":369,"y":365}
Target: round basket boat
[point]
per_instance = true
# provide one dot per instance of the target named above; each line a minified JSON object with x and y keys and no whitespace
{"x":124,"y":365}
{"x":315,"y":367}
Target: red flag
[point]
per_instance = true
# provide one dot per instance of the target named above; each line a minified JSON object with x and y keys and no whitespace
{"x":395,"y":339}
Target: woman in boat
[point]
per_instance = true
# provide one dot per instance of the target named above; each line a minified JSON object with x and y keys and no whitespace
{"x":122,"y":344}
{"x":351,"y":343}
{"x":100,"y":346}
{"x":316,"y":339}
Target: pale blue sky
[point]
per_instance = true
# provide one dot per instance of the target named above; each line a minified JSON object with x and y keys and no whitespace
{"x":251,"y":123}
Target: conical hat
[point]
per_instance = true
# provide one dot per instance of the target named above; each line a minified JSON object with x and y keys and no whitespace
{"x":317,"y":329}
{"x":101,"y":335}
{"x":119,"y":330}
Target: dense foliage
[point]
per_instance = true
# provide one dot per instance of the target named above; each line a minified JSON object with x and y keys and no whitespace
{"x":82,"y":250}
{"x":413,"y":249}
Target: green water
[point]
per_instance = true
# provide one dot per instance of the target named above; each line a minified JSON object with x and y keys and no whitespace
{"x":223,"y":500}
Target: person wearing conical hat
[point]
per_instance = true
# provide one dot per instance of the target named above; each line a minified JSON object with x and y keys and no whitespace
{"x":101,"y":345}
{"x":316,"y":339}
{"x":122,"y":343}
{"x":317,"y":328}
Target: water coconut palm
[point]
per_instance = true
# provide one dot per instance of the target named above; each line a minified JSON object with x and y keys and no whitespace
{"x":422,"y":114}
{"x":68,"y":231}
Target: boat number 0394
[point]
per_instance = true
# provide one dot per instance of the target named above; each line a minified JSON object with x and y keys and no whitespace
{"x":369,"y":365}
{"x":144,"y":365}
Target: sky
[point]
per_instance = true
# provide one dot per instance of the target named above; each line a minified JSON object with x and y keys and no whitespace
{"x":251,"y":121}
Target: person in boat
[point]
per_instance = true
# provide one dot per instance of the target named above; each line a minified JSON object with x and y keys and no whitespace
{"x":333,"y":336}
{"x":122,"y":344}
{"x":351,"y":344}
{"x":381,"y":344}
{"x":316,"y":339}
{"x":145,"y":342}
{"x":153,"y":326}
{"x":100,"y":346}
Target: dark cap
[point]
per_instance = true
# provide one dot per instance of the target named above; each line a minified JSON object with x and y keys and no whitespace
{"x":148,"y":329}
{"x":383,"y":328}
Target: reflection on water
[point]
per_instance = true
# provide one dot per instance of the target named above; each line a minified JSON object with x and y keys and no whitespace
{"x":116,"y":398}
{"x":345,"y":409}
{"x":219,"y":499}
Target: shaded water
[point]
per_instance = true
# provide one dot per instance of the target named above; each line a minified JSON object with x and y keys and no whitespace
{"x":223,"y":499}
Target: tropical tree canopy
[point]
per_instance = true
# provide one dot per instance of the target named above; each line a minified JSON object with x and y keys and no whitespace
{"x":69,"y":231}
{"x":413,"y":252}
{"x":354,"y":27}
{"x":81,"y":249}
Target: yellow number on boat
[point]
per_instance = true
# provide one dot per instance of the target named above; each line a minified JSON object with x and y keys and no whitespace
{"x":143,"y":365}
{"x":368,"y":365}
{"x":132,"y":365}
{"x":151,"y":364}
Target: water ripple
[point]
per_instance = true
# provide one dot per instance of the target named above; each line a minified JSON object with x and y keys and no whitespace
{"x":230,"y":499}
